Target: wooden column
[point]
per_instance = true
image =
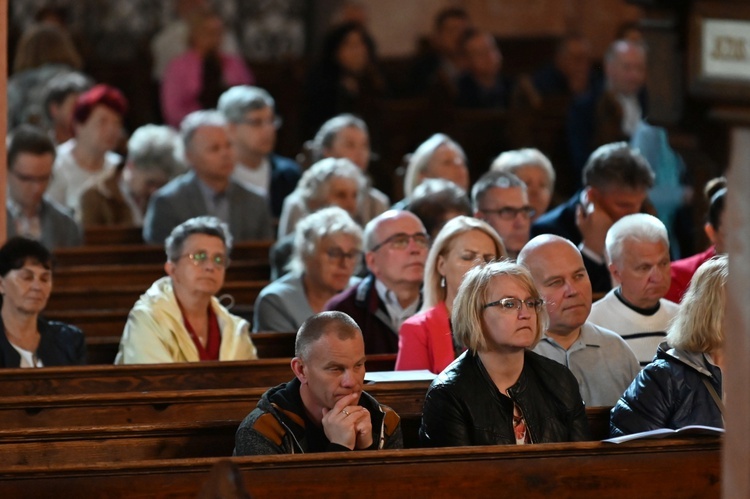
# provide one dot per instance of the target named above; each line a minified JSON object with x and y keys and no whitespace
{"x":3,"y":112}
{"x":736,"y":453}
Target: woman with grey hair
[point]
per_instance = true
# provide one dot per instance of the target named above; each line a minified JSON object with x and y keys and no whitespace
{"x":536,"y":171}
{"x":346,"y":136}
{"x":179,"y":318}
{"x":327,"y":249}
{"x":329,"y":182}
{"x":120,"y":196}
{"x":437,"y":157}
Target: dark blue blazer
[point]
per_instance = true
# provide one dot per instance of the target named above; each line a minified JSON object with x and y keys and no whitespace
{"x":285,"y":174}
{"x":60,"y":345}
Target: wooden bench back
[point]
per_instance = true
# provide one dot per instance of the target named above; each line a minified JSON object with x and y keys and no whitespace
{"x":667,"y":468}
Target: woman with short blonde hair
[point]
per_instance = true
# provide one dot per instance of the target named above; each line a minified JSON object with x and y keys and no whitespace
{"x":499,"y":391}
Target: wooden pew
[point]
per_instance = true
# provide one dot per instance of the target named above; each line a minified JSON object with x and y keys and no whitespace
{"x":159,"y":377}
{"x":103,"y":236}
{"x":117,"y":409}
{"x":143,"y":274}
{"x":123,"y":297}
{"x":129,"y":254}
{"x":182,"y":439}
{"x":655,"y":468}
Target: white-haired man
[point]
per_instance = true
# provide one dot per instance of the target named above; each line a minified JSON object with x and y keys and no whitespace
{"x":638,"y":253}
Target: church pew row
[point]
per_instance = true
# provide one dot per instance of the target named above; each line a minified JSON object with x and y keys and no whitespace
{"x":129,"y":254}
{"x":123,"y":297}
{"x":169,"y":406}
{"x":143,"y":274}
{"x":177,"y":440}
{"x":80,"y":380}
{"x":104,"y":235}
{"x":654,"y":468}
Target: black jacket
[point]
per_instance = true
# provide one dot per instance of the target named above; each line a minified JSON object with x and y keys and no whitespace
{"x":277,"y":425}
{"x":60,"y":345}
{"x":669,"y":393}
{"x":464,"y":407}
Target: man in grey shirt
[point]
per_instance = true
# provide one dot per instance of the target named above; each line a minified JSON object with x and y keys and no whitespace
{"x":601,"y":361}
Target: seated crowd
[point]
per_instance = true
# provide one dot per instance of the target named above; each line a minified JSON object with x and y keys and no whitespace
{"x":525,"y":316}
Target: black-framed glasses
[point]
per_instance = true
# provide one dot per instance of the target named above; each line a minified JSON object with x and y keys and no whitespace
{"x":402,"y":239}
{"x":218,"y":260}
{"x":275,"y":122}
{"x":509,"y":213}
{"x":338,"y":255}
{"x":515,"y":304}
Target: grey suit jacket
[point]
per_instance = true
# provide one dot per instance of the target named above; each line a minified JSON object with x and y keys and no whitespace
{"x":181,"y":199}
{"x":58,"y":227}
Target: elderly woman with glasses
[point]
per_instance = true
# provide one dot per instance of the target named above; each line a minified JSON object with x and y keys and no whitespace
{"x":499,"y":391}
{"x":426,"y":340}
{"x":26,"y":338}
{"x":682,"y":386}
{"x":327,"y":251}
{"x":179,"y":319}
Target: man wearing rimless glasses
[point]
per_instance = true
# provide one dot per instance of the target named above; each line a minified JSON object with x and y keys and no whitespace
{"x":396,"y":247}
{"x":500,"y":199}
{"x":600,"y":359}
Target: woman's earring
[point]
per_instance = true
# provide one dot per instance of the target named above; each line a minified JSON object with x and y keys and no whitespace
{"x":442,"y":281}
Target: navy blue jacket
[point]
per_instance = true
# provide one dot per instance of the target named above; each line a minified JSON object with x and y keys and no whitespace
{"x":60,"y":345}
{"x":285,"y":174}
{"x":669,"y":393}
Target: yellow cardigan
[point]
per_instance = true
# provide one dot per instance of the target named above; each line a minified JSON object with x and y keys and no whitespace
{"x":155,"y":331}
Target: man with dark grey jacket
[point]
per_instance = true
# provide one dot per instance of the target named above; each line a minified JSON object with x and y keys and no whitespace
{"x":323,"y":409}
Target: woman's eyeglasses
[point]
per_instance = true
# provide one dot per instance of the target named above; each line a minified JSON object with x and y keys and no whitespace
{"x":515,"y":304}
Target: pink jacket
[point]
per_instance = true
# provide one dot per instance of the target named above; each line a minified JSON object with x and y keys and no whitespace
{"x":426,"y":341}
{"x":182,"y":81}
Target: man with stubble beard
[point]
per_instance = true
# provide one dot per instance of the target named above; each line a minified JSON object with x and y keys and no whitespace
{"x":600,"y":359}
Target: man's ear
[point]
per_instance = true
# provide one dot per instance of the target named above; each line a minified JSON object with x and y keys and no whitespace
{"x":299,"y":370}
{"x":169,"y":268}
{"x":370,"y":261}
{"x":615,"y":273}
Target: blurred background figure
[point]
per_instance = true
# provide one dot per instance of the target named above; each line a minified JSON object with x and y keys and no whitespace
{"x":426,"y":339}
{"x":98,"y":129}
{"x":682,"y":271}
{"x":570,"y":73}
{"x":60,"y":96}
{"x":172,"y":40}
{"x":196,"y":78}
{"x":119,"y":197}
{"x":535,"y":170}
{"x":436,"y":201}
{"x":347,"y":136}
{"x":327,"y":250}
{"x":43,"y":52}
{"x":346,"y":78}
{"x":31,"y":155}
{"x":437,"y":157}
{"x":26,"y":338}
{"x":440,"y":61}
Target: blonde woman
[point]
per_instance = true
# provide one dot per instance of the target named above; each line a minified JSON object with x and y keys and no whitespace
{"x":425,"y":339}
{"x":683,"y":384}
{"x":499,"y":391}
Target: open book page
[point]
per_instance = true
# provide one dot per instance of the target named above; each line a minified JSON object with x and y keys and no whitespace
{"x":666,"y":432}
{"x":385,"y":376}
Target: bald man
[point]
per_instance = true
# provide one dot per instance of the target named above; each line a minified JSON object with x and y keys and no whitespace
{"x":396,"y":246}
{"x":600,"y":359}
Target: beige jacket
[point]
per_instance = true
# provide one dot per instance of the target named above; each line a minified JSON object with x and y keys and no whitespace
{"x":155,"y":331}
